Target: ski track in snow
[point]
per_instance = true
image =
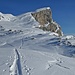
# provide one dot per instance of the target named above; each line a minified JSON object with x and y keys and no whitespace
{"x":15,"y":69}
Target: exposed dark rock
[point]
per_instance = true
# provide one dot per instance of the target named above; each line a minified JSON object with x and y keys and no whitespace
{"x":44,"y":17}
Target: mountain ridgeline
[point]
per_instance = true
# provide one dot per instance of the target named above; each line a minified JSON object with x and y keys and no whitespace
{"x":42,"y":17}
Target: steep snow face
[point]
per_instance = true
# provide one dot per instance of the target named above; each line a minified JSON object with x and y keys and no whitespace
{"x":5,"y":17}
{"x":27,"y":50}
{"x":26,"y":20}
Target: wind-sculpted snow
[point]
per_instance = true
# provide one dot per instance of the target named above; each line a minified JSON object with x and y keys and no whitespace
{"x":37,"y":52}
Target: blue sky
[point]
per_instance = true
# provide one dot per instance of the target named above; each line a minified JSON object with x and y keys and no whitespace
{"x":63,"y":11}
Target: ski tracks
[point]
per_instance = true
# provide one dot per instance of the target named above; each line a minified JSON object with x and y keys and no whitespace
{"x":15,"y":68}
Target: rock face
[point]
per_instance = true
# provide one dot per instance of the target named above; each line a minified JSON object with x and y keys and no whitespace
{"x":44,"y":17}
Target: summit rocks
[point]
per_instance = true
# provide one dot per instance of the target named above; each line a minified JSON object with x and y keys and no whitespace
{"x":44,"y":17}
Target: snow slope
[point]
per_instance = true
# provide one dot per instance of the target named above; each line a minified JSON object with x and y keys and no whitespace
{"x":27,"y":50}
{"x":5,"y":17}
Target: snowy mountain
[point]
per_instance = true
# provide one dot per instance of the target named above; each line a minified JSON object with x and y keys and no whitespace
{"x":5,"y":17}
{"x":27,"y":50}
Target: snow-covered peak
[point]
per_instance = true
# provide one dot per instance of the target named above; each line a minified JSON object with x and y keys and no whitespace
{"x":1,"y":13}
{"x":5,"y":17}
{"x":43,"y":9}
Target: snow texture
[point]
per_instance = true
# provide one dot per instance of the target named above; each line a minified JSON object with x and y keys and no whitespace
{"x":27,"y":50}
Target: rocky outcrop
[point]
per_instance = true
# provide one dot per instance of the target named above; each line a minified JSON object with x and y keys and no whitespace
{"x":44,"y":17}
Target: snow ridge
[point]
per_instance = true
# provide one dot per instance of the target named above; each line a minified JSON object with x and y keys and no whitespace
{"x":5,"y":17}
{"x":43,"y":9}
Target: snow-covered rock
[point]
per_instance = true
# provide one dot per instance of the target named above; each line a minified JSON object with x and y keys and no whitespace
{"x":54,"y":34}
{"x":69,"y":37}
{"x":5,"y":17}
{"x":44,"y":17}
{"x":41,"y":9}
